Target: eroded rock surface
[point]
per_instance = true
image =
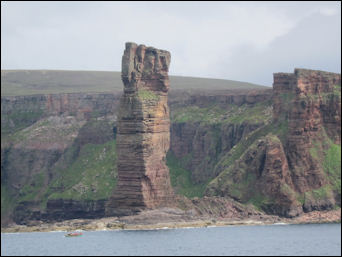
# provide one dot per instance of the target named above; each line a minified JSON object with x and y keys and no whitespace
{"x":143,"y":134}
{"x":311,"y":103}
{"x":295,"y":166}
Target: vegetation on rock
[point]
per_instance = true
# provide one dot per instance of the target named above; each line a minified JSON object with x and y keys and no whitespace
{"x":181,"y":178}
{"x":215,"y":114}
{"x":230,"y":149}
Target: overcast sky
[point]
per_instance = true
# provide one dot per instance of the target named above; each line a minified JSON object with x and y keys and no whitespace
{"x":246,"y":41}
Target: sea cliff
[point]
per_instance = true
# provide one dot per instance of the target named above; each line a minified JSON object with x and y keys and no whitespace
{"x":269,"y":151}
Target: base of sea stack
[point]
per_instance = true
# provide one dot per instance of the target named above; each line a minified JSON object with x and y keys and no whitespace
{"x":119,"y":207}
{"x":115,"y":207}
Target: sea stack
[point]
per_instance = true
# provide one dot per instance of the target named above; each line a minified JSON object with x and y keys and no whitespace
{"x":143,"y":133}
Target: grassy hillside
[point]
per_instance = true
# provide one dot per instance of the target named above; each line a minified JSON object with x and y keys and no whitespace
{"x":29,"y":82}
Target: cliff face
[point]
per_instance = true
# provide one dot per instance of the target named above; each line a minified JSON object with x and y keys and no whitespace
{"x":205,"y":126}
{"x":278,"y":150}
{"x":143,"y":134}
{"x":294,"y":164}
{"x":43,"y":138}
{"x":314,"y":115}
{"x":315,"y":98}
{"x":59,"y":210}
{"x":54,"y":152}
{"x":314,"y":130}
{"x":18,"y":112}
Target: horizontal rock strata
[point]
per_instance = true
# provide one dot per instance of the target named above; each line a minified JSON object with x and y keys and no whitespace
{"x":143,"y":133}
{"x":294,"y":166}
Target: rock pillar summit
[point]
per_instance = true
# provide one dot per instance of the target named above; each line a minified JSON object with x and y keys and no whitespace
{"x":143,"y":135}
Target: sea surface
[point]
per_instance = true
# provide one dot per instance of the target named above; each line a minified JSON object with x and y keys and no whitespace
{"x":308,"y":239}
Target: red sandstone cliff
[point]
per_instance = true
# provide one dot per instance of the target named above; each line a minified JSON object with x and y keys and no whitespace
{"x":311,"y":102}
{"x":294,"y":163}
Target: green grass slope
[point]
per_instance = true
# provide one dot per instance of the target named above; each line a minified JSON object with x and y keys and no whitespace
{"x":29,"y":82}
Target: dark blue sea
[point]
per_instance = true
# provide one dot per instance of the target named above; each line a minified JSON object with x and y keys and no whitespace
{"x":315,"y":239}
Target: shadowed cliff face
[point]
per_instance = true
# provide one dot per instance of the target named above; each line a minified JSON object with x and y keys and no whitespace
{"x":208,"y":126}
{"x":295,"y":165}
{"x":143,"y":134}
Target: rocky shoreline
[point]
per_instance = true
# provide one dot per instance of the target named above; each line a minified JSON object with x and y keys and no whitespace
{"x":169,"y":218}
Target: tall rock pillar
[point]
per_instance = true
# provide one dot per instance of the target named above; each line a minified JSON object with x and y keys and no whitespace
{"x":143,"y":135}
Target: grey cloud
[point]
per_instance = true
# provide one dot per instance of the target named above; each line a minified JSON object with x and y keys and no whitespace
{"x":314,"y":44}
{"x":245,"y":41}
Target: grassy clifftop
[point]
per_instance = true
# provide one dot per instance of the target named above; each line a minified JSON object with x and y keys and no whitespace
{"x":29,"y":82}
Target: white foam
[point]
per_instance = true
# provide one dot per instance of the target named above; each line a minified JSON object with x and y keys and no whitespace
{"x":280,"y":223}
